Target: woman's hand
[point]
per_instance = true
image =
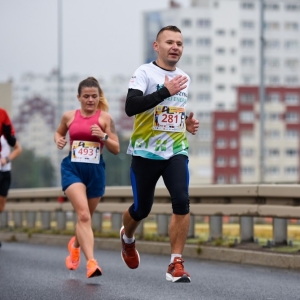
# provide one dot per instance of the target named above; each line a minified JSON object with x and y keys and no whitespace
{"x":61,"y":142}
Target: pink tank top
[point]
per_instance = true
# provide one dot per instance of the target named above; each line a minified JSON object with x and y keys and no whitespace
{"x":80,"y":128}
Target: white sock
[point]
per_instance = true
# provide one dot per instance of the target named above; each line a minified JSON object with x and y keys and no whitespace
{"x":128,"y":240}
{"x":173,"y":256}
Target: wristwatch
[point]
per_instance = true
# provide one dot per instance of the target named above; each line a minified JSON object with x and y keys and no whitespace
{"x":105,"y":137}
{"x":7,"y":159}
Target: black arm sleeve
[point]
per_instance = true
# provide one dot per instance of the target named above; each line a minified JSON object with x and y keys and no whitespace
{"x":137,"y":103}
{"x":11,"y":140}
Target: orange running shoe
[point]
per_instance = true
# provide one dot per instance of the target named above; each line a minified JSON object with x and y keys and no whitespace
{"x":176,"y":271}
{"x":92,"y":269}
{"x":73,"y":260}
{"x":129,"y":254}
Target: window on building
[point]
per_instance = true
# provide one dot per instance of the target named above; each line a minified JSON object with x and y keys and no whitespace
{"x":247,"y":25}
{"x":291,"y":45}
{"x":272,"y":117}
{"x":233,"y":161}
{"x":247,"y":43}
{"x":292,"y":7}
{"x":204,"y":134}
{"x":221,"y":179}
{"x":220,"y":32}
{"x":272,"y":44}
{"x":204,"y":116}
{"x":247,"y":61}
{"x":232,"y":125}
{"x":220,"y":87}
{"x":273,"y":152}
{"x":272,"y":170}
{"x":291,"y":26}
{"x":271,"y":6}
{"x":186,"y":59}
{"x":248,"y":79}
{"x":221,"y":125}
{"x":291,"y":152}
{"x":247,"y":5}
{"x":247,"y":171}
{"x":247,"y":134}
{"x":292,"y":117}
{"x":186,"y":23}
{"x":291,"y":134}
{"x":204,"y":151}
{"x":247,"y":98}
{"x":187,"y":41}
{"x":233,"y":179}
{"x":221,"y":161}
{"x":291,"y":99}
{"x":273,"y":134}
{"x":246,"y":116}
{"x":291,"y":63}
{"x":291,"y":170}
{"x":204,"y":23}
{"x":203,"y":42}
{"x":220,"y":106}
{"x":272,"y":62}
{"x":273,"y":97}
{"x":203,"y":97}
{"x":272,"y":26}
{"x":247,"y":152}
{"x":203,"y":61}
{"x":220,"y":50}
{"x":233,"y":143}
{"x":221,"y":143}
{"x":293,"y":80}
{"x":203,"y":78}
{"x":220,"y":69}
{"x":273,"y":80}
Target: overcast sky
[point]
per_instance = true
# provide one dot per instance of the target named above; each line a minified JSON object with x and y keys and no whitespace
{"x":100,"y":37}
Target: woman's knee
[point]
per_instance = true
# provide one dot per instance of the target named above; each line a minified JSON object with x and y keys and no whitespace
{"x":84,"y":217}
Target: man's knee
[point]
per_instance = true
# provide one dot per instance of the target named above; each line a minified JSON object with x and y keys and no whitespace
{"x":181,"y":207}
{"x":139,"y":214}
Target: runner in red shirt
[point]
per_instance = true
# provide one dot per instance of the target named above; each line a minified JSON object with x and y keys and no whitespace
{"x":6,"y":128}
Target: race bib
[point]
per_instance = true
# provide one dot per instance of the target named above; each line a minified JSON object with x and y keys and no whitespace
{"x":169,"y":118}
{"x":85,"y":152}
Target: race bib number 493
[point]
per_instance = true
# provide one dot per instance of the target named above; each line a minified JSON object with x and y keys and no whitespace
{"x":85,"y":152}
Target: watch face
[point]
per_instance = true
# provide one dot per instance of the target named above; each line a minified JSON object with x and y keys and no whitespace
{"x":105,"y":137}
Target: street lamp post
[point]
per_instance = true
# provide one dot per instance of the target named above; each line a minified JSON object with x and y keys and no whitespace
{"x":59,"y":61}
{"x":262,"y":95}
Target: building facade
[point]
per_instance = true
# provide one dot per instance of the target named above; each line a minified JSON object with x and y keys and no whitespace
{"x":222,"y":52}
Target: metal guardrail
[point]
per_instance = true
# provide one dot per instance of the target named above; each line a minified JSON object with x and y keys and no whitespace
{"x":281,"y":202}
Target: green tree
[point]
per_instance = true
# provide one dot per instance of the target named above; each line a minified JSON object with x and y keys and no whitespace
{"x":30,"y":171}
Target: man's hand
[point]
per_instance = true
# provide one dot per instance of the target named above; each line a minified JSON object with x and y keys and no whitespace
{"x":176,"y":84}
{"x":191,"y":124}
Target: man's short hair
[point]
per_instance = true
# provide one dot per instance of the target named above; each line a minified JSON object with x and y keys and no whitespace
{"x":169,"y":27}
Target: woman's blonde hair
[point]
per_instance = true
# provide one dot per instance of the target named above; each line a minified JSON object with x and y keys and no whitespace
{"x":93,"y":82}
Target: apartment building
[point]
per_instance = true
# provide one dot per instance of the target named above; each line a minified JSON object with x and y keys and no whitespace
{"x":237,"y":134}
{"x":222,"y":52}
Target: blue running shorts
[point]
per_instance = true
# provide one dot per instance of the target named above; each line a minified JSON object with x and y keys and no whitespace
{"x":91,"y":175}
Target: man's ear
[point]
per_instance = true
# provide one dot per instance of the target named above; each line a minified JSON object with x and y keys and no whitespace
{"x":155,"y":46}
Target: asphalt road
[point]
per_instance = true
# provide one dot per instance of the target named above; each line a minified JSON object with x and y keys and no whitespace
{"x":37,"y":272}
